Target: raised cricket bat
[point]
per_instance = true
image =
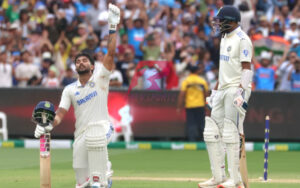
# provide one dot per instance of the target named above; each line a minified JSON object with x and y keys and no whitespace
{"x":243,"y":163}
{"x":45,"y":160}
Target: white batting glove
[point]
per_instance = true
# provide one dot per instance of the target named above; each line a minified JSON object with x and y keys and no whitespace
{"x":39,"y":130}
{"x":113,"y":16}
{"x":209,"y":99}
{"x":238,"y":99}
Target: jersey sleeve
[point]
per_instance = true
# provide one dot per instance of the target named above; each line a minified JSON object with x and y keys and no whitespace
{"x":245,"y":51}
{"x":65,"y":101}
{"x":183,"y":86}
{"x":102,"y":72}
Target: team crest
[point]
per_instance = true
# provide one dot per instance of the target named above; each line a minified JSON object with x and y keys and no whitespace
{"x":77,"y":93}
{"x":47,"y":104}
{"x":229,"y":48}
{"x":245,"y":52}
{"x":92,"y":84}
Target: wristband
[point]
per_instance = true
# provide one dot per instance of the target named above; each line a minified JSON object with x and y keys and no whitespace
{"x":112,"y":31}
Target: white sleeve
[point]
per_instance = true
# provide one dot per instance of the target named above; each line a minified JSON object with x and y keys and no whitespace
{"x":18,"y":72}
{"x":119,"y":75}
{"x":65,"y":101}
{"x":245,"y":51}
{"x":38,"y":72}
{"x":102,"y":72}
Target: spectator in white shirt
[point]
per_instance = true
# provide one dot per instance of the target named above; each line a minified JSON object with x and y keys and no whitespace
{"x":283,"y":72}
{"x":5,"y":71}
{"x":292,"y":32}
{"x":51,"y":80}
{"x":115,"y":77}
{"x":27,"y":73}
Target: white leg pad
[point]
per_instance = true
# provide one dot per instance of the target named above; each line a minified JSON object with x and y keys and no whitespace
{"x":96,"y":144}
{"x":231,"y":140}
{"x":82,"y":177}
{"x":215,"y":150}
{"x":84,"y":185}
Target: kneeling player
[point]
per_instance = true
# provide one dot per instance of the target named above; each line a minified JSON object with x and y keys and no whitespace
{"x":88,"y":95}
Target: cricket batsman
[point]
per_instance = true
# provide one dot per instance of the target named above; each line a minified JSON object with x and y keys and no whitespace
{"x":88,"y":95}
{"x":228,"y":100}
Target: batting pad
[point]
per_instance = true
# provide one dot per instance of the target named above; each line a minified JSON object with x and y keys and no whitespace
{"x":231,"y":140}
{"x":215,"y":150}
{"x":96,"y":144}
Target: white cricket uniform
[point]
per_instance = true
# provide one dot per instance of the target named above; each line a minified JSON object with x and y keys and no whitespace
{"x":90,"y":105}
{"x":235,"y":48}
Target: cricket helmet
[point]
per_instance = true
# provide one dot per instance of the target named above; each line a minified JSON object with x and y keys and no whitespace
{"x":43,"y":113}
{"x":226,"y":15}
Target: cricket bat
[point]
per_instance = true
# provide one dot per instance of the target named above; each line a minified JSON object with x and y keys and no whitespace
{"x":243,"y":163}
{"x":45,"y":158}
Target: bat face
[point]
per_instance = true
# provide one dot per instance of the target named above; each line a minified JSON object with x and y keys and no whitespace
{"x":45,"y":161}
{"x":243,"y":163}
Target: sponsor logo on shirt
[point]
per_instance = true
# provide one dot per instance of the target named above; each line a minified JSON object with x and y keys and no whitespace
{"x":87,"y":98}
{"x":264,"y":75}
{"x":224,"y":57}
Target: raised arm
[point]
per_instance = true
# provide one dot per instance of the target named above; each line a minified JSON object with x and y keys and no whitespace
{"x":113,"y":21}
{"x":60,"y":114}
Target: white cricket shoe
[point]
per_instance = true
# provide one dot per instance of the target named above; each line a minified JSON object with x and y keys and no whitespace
{"x":95,"y":185}
{"x":98,"y":185}
{"x":230,"y":184}
{"x":211,"y":183}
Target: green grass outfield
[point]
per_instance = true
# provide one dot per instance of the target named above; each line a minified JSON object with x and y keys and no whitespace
{"x":19,"y":168}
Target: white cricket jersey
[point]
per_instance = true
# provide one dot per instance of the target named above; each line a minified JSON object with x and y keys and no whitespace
{"x":235,"y":48}
{"x":89,"y":101}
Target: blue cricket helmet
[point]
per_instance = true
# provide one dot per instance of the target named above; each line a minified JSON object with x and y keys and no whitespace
{"x":43,"y":113}
{"x":226,"y":15}
{"x":230,"y":13}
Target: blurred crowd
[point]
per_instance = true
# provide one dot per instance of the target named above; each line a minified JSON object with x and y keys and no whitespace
{"x":40,"y":38}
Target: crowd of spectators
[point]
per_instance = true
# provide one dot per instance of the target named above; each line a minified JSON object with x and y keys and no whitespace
{"x":40,"y":38}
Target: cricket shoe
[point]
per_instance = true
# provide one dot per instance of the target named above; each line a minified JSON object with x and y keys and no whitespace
{"x":230,"y":184}
{"x":98,"y":185}
{"x":211,"y":183}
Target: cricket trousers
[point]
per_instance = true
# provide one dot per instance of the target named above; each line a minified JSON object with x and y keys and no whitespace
{"x":195,"y":122}
{"x":223,"y":107}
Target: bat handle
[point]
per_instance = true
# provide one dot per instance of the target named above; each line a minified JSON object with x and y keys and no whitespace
{"x":45,"y":145}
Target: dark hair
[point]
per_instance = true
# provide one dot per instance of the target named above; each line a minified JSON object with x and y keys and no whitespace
{"x":86,"y":55}
{"x":194,"y":68}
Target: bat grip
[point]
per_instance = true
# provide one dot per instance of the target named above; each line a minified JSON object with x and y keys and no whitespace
{"x":45,"y":145}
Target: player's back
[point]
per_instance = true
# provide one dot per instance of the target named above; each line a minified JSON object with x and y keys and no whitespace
{"x":235,"y":48}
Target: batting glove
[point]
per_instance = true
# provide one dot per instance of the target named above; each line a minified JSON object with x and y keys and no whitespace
{"x":113,"y":16}
{"x":39,"y":130}
{"x":209,"y":100}
{"x":239,"y":101}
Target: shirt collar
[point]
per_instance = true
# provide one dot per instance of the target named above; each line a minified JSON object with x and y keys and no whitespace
{"x":233,"y":32}
{"x":78,"y":84}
